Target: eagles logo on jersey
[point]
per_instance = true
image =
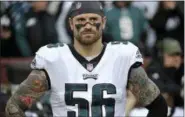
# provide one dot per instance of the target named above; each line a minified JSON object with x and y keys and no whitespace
{"x":97,"y":90}
{"x":138,"y":54}
{"x":33,"y":64}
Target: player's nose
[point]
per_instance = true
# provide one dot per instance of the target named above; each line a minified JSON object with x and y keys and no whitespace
{"x":88,"y":26}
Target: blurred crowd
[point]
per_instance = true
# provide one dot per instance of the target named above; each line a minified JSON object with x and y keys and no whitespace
{"x":157,"y":28}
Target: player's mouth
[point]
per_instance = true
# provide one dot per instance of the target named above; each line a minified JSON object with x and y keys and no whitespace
{"x":87,"y":33}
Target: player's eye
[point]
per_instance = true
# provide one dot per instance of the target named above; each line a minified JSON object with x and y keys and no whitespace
{"x":93,"y":19}
{"x":81,"y":19}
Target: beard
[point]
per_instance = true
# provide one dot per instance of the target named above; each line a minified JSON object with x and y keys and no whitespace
{"x":88,"y":39}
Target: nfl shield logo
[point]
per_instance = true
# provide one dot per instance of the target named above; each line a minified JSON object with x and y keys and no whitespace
{"x":90,"y":67}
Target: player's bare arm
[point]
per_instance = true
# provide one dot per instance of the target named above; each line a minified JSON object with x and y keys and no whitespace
{"x":146,"y":93}
{"x":29,"y":91}
{"x":142,"y":87}
{"x":130,"y":103}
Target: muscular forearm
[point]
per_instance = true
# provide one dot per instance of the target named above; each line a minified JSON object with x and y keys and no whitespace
{"x":27,"y":94}
{"x":13,"y":110}
{"x":147,"y":93}
{"x":130,"y":103}
{"x":142,"y":87}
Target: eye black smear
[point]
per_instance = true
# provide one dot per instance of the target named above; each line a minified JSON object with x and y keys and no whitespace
{"x":79,"y":26}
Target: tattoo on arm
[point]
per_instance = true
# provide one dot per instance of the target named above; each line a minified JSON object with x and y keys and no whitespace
{"x":29,"y":91}
{"x":142,"y":87}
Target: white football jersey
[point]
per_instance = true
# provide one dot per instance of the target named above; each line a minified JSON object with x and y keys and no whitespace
{"x":90,"y":90}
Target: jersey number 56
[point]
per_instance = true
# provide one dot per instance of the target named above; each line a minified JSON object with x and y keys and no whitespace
{"x":97,"y":100}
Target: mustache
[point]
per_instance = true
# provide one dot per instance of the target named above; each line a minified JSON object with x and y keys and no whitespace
{"x":88,"y":31}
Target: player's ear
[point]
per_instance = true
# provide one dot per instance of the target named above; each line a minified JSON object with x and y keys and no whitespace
{"x":104,"y":20}
{"x":71,"y":23}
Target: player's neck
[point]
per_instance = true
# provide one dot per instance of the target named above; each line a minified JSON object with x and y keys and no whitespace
{"x":89,"y":50}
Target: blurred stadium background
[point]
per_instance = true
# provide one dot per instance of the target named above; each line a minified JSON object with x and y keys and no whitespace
{"x":156,"y":27}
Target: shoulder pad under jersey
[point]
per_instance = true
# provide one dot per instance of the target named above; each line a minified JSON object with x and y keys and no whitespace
{"x":125,"y":48}
{"x":122,"y":46}
{"x":45,"y":54}
{"x":50,"y":52}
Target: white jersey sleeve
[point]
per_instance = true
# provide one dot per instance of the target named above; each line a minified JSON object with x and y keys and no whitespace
{"x":129,"y":52}
{"x":43,"y":56}
{"x":136,"y":56}
{"x":39,"y":61}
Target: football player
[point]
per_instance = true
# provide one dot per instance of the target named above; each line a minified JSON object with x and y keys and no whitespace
{"x":88,"y":78}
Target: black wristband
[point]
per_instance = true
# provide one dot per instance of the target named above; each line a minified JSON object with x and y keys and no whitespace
{"x":158,"y":108}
